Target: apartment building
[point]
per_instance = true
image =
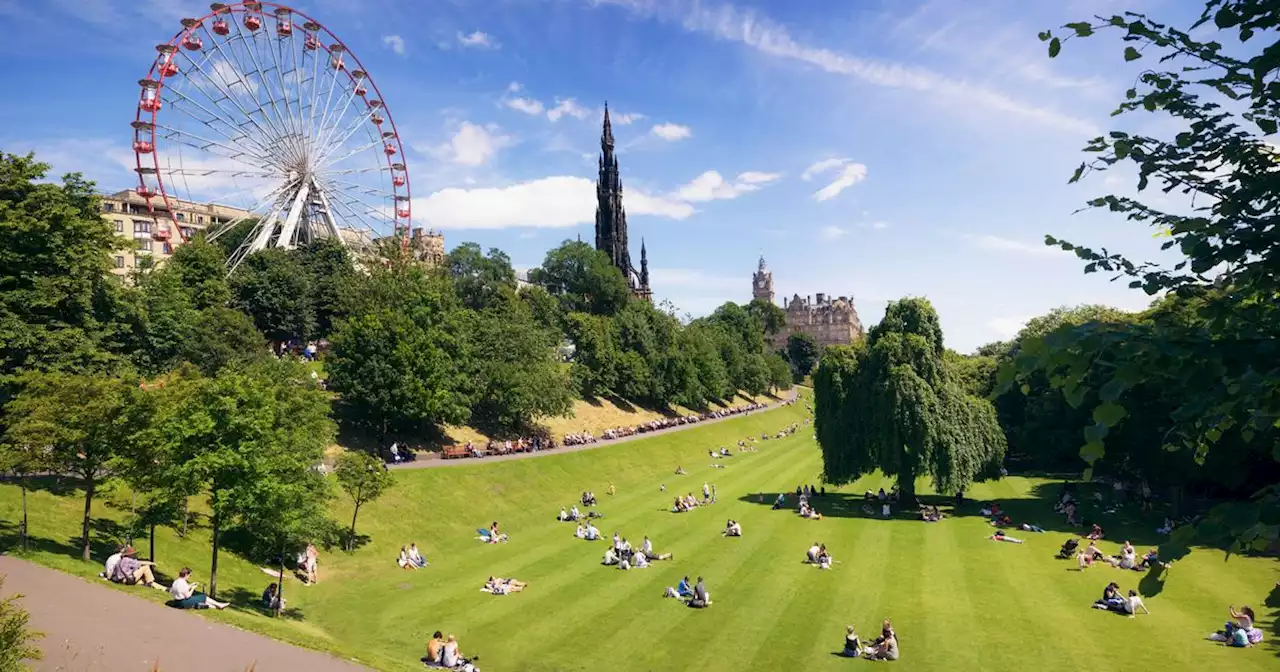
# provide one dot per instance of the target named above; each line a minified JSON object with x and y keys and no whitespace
{"x":152,"y":233}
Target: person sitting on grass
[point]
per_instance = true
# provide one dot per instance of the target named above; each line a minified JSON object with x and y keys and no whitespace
{"x":1096,"y":533}
{"x":451,"y":657}
{"x":415,"y":556}
{"x":680,"y":471}
{"x":593,"y":533}
{"x":780,"y":502}
{"x":1084,"y":560}
{"x":1133,"y":604}
{"x":131,"y":571}
{"x":435,"y":650}
{"x":701,"y":598}
{"x":495,"y":535}
{"x":563,"y":515}
{"x":824,"y":558}
{"x":504,"y":586}
{"x":639,"y":561}
{"x":1151,"y":559}
{"x":732,"y":529}
{"x":574,"y":513}
{"x":1094,"y":553}
{"x":109,"y":569}
{"x":852,"y":645}
{"x":1167,"y":528}
{"x":403,"y":561}
{"x":684,"y":589}
{"x":885,"y":511}
{"x":185,"y":595}
{"x":1111,"y":599}
{"x":271,"y":599}
{"x":1128,"y":557}
{"x":886,"y":650}
{"x":610,"y":557}
{"x":1001,"y":536}
{"x":811,"y":555}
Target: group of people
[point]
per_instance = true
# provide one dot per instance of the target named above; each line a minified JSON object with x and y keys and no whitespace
{"x":930,"y":514}
{"x":806,"y":510}
{"x":508,"y":447}
{"x":1126,"y":559}
{"x":818,"y":555}
{"x":492,"y":535}
{"x":444,"y":653}
{"x":1113,"y":601}
{"x":684,"y":504}
{"x":732,"y":528}
{"x":625,"y":557}
{"x":1239,"y":631}
{"x":411,"y":558}
{"x":503,"y":586}
{"x":695,"y":595}
{"x":613,"y":433}
{"x":885,"y":647}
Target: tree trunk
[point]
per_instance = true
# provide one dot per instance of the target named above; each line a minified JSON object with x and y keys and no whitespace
{"x":22,"y":531}
{"x":185,"y":516}
{"x":280,"y":585}
{"x":906,"y":490}
{"x":152,"y":538}
{"x":351,"y":538}
{"x":213,"y":568}
{"x":90,"y":484}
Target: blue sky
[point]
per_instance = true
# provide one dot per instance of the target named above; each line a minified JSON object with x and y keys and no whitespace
{"x":877,"y":148}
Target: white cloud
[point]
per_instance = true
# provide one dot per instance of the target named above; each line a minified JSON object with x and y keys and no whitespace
{"x":567,"y":107}
{"x":671,"y":132}
{"x":624,"y":119}
{"x":513,"y":87}
{"x":1007,"y":327}
{"x":473,"y":144}
{"x":549,"y":202}
{"x":833,"y":233}
{"x":848,"y":174}
{"x":229,"y":77}
{"x":990,"y":242}
{"x":726,"y":22}
{"x":526,"y":105}
{"x":711,"y":186}
{"x":395,"y":43}
{"x":879,"y":225}
{"x":478,"y":39}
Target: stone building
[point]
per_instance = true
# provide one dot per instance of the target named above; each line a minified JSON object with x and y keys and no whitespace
{"x":152,"y":230}
{"x":427,"y":246}
{"x":829,"y":320}
{"x":611,"y":218}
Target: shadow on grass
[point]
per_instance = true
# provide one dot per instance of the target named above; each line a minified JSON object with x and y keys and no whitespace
{"x":105,"y":538}
{"x":60,"y":486}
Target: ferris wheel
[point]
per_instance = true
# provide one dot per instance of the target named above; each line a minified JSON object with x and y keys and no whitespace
{"x":259,"y":108}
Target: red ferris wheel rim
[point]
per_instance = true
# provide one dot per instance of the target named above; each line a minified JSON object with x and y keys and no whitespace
{"x":247,"y":7}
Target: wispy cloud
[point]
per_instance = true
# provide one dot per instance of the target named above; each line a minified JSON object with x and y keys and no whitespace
{"x":473,"y":144}
{"x":726,"y":22}
{"x":395,"y":43}
{"x":847,"y":173}
{"x":671,"y":132}
{"x":526,"y":105}
{"x":833,"y":233}
{"x":478,"y":40}
{"x":711,"y":186}
{"x":625,"y":118}
{"x":567,"y":107}
{"x":549,"y":202}
{"x":990,"y":242}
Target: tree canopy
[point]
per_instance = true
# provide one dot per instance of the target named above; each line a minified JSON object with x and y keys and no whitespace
{"x":891,"y":403}
{"x":802,"y":352}
{"x":583,"y":278}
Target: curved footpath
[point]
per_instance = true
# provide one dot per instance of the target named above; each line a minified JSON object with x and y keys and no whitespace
{"x":434,"y":460}
{"x":90,"y":626}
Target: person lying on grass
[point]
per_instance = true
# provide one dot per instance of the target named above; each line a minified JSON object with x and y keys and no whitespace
{"x":1001,"y":536}
{"x":185,"y":596}
{"x":732,"y":529}
{"x":503,"y":586}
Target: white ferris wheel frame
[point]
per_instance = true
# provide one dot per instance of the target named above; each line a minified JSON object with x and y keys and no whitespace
{"x":299,"y":145}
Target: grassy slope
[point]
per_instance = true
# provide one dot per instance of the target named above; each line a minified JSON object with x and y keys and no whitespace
{"x":959,"y":602}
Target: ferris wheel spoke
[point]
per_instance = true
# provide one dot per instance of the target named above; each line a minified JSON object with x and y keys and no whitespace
{"x":236,"y":60}
{"x":255,"y":212}
{"x":227,"y":90}
{"x":354,"y":171}
{"x":177,"y":97}
{"x":352,"y":153}
{"x":362,"y":188}
{"x":325,"y":135}
{"x":352,"y":219}
{"x":366,"y":212}
{"x":274,"y":49}
{"x":202,"y":143}
{"x":286,"y":139}
{"x":351,"y":129}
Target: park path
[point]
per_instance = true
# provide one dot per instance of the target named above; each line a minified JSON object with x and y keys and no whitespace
{"x":433,"y":460}
{"x":90,"y":627}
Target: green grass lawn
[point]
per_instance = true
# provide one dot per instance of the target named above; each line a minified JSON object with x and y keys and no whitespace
{"x":958,"y":601}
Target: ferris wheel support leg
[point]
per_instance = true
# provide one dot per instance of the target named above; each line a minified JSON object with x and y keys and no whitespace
{"x":330,"y":225}
{"x":295,"y":213}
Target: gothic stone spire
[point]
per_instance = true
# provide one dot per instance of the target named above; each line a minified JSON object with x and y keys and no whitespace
{"x":611,"y":218}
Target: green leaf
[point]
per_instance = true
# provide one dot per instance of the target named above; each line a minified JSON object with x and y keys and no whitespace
{"x":1075,"y":177}
{"x":1092,"y":451}
{"x":1082,"y":28}
{"x":1096,"y":433}
{"x":1118,"y":21}
{"x":1112,"y":390}
{"x":1131,"y":54}
{"x":1087,"y":476}
{"x":1025,"y":388}
{"x":1109,"y":414}
{"x":1268,"y":126}
{"x":1045,"y":35}
{"x":1055,"y":46}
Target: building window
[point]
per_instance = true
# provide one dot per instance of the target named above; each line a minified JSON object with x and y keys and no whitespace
{"x":144,"y":244}
{"x":187,"y":231}
{"x":119,"y":262}
{"x":141,"y":226}
{"x":199,"y":219}
{"x":181,"y":217}
{"x":108,"y":207}
{"x":168,"y":249}
{"x":119,"y":226}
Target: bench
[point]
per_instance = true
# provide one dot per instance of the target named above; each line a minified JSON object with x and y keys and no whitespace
{"x":454,"y":451}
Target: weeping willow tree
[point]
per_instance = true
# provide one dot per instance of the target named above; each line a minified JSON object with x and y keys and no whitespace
{"x":889,"y":402}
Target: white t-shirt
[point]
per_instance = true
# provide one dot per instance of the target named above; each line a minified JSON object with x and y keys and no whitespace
{"x":813,"y":553}
{"x":111,"y":565}
{"x":449,"y":657}
{"x":647,"y":547}
{"x":1132,"y":604}
{"x":180,"y":589}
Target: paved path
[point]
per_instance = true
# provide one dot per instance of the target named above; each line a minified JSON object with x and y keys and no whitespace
{"x":91,"y":627}
{"x":433,"y":460}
